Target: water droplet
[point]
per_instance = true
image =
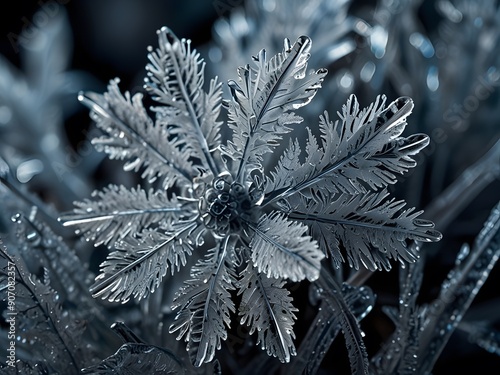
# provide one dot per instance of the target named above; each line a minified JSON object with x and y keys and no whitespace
{"x":367,"y":71}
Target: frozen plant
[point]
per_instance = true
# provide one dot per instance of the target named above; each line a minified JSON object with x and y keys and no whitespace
{"x":36,"y":101}
{"x":252,"y":223}
{"x":50,"y":308}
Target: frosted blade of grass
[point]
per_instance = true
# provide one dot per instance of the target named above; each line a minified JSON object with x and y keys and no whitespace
{"x":463,"y":283}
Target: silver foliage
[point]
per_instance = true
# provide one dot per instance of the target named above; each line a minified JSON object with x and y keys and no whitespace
{"x":285,"y":241}
{"x":175,"y":80}
{"x":362,"y":151}
{"x":117,"y":212}
{"x":251,"y":228}
{"x":52,"y":336}
{"x":133,"y":136}
{"x":262,"y":101}
{"x":138,"y":265}
{"x":205,"y":305}
{"x":371,"y":227}
{"x":199,"y":202}
{"x":267,"y":308}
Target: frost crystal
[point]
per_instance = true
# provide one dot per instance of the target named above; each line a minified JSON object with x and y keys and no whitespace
{"x":216,"y":194}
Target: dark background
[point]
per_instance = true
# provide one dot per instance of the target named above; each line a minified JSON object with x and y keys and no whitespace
{"x":110,"y":39}
{"x":110,"y":36}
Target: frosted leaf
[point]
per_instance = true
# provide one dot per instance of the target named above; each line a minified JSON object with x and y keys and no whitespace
{"x":363,"y":151}
{"x":371,"y":227}
{"x":175,"y":80}
{"x":137,"y":266}
{"x":204,"y":304}
{"x":51,"y":336}
{"x":116,"y":212}
{"x":262,"y":99}
{"x":280,"y":249}
{"x":267,"y":308}
{"x":132,"y":136}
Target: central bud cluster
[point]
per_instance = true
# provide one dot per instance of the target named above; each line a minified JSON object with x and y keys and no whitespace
{"x":224,"y":204}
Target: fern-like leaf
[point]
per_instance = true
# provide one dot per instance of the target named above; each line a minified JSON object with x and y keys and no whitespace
{"x":132,"y":136}
{"x":175,"y":80}
{"x":266,"y":307}
{"x":363,"y":151}
{"x":138,"y":265}
{"x":372,"y":228}
{"x":118,"y":212}
{"x":205,"y":304}
{"x":262,"y":100}
{"x":281,"y":249}
{"x":210,"y":126}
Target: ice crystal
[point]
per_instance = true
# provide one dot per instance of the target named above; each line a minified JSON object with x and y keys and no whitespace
{"x":135,"y":356}
{"x":215,"y":194}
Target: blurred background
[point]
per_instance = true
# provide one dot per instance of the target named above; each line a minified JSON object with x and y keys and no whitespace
{"x":415,"y":48}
